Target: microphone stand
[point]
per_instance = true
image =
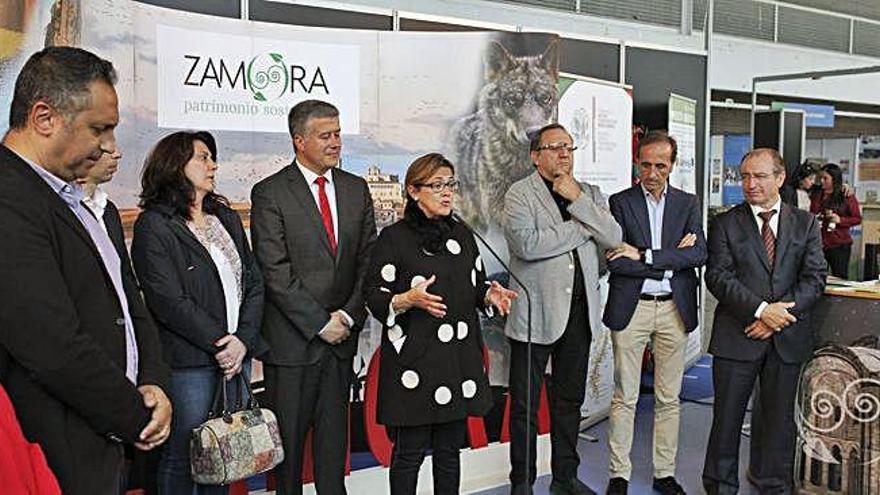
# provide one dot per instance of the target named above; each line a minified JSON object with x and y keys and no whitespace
{"x":456,"y":217}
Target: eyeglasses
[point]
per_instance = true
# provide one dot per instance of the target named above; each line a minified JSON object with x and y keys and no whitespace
{"x":437,"y":187}
{"x":557,"y":147}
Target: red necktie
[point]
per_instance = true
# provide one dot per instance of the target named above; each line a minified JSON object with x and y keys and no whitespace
{"x":767,"y":235}
{"x":326,"y":216}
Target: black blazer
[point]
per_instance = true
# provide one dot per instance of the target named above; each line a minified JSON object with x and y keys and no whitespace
{"x":62,"y":339}
{"x":304,"y":281}
{"x":681,"y":215}
{"x":739,"y":275}
{"x":183,"y":290}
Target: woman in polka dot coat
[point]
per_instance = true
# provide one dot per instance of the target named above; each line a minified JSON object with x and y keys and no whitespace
{"x":426,"y":283}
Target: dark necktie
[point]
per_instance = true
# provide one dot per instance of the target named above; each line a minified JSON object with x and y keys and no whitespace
{"x":767,"y":235}
{"x":326,"y":216}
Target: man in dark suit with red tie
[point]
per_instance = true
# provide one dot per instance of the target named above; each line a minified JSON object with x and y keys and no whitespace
{"x":313,"y":229}
{"x":767,"y":270}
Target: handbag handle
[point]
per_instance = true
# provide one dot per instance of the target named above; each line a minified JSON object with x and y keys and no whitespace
{"x":220,"y":394}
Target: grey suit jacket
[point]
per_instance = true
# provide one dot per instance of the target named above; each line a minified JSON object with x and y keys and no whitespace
{"x":304,"y":281}
{"x":540,"y":245}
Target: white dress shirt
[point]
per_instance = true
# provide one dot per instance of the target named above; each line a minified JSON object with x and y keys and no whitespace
{"x":330,"y":191}
{"x":97,"y":203}
{"x":774,"y":226}
{"x":656,"y":209}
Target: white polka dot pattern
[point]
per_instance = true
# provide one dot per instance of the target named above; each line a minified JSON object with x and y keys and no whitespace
{"x":445,"y":332}
{"x":453,"y":246}
{"x":468,"y":389}
{"x":462,"y":330}
{"x":410,"y":379}
{"x":442,"y":395}
{"x":417,"y":280}
{"x":474,"y":278}
{"x":395,"y":333}
{"x":478,"y":263}
{"x":389,"y":273}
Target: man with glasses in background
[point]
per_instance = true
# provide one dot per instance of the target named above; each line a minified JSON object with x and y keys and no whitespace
{"x":557,"y":231}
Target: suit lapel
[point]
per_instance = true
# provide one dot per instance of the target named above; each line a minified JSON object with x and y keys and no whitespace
{"x":749,"y":225}
{"x":69,"y":217}
{"x":639,"y":206}
{"x":343,"y":213}
{"x":303,"y":194}
{"x":545,"y":198}
{"x":187,"y":237}
{"x":783,"y":232}
{"x":672,"y":218}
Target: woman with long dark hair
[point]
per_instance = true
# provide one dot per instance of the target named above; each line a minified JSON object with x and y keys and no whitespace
{"x":425,"y":284}
{"x":201,"y":284}
{"x":838,"y":212}
{"x":802,"y":182}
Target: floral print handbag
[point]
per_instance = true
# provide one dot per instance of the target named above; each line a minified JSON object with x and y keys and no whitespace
{"x":231,"y":446}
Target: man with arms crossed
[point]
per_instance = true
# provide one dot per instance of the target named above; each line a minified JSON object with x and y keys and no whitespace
{"x":557,"y":230}
{"x":313,"y":229}
{"x":767,"y":270}
{"x":652,"y":298}
{"x":78,"y":353}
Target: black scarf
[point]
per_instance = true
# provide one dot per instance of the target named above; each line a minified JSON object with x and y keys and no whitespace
{"x":433,"y":232}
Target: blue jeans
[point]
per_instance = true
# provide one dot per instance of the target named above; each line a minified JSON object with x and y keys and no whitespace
{"x":192,"y":394}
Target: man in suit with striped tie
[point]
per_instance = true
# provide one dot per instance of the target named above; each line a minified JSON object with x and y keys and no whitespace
{"x":767,"y":270}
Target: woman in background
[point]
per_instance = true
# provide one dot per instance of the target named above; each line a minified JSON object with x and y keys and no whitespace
{"x":838,"y":212}
{"x":425,"y":285}
{"x":802,"y":181}
{"x":201,"y":284}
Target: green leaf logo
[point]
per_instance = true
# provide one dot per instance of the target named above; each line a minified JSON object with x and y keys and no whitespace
{"x":259,"y":96}
{"x":276,"y":57}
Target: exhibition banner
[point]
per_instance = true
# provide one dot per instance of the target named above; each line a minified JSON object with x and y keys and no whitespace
{"x":683,"y":127}
{"x":598,"y":114}
{"x":220,"y":81}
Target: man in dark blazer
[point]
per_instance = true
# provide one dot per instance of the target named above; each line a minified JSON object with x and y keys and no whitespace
{"x":78,"y":355}
{"x":652,"y":298}
{"x":313,"y":229}
{"x":767,"y":270}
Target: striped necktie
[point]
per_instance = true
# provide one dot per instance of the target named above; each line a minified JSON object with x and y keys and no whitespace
{"x":768,"y":236}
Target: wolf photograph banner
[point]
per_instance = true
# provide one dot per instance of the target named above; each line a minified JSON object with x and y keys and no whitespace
{"x":401,"y":95}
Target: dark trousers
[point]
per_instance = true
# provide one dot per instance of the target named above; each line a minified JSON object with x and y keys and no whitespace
{"x":566,"y":389}
{"x":734,"y":382}
{"x":411,"y":443}
{"x":312,"y":396}
{"x":838,"y":260}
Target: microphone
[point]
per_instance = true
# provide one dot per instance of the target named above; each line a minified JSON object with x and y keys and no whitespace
{"x":457,"y":218}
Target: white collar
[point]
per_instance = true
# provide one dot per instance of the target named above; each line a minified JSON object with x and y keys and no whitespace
{"x":647,"y":193}
{"x":776,"y":206}
{"x":311,"y":176}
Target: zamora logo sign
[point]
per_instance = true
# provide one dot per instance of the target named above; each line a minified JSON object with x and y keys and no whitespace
{"x":267,"y":76}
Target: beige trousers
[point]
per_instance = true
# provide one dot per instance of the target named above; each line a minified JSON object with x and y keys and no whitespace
{"x":658,"y":322}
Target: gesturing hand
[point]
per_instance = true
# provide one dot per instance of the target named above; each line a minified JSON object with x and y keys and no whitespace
{"x":500,"y":297}
{"x":419,"y":297}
